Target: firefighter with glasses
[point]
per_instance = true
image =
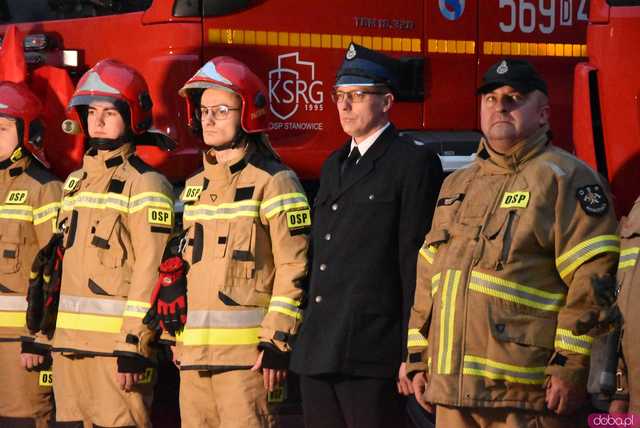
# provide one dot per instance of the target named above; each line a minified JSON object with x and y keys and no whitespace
{"x":247,"y":223}
{"x":117,"y":215}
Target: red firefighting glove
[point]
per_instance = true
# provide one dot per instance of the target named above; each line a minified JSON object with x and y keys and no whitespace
{"x":169,"y":299}
{"x":43,"y":294}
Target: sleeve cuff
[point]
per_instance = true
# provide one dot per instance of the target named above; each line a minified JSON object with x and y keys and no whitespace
{"x":273,"y":358}
{"x":34,"y":348}
{"x":571,"y":369}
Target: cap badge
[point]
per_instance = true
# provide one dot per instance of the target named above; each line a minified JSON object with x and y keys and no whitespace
{"x":351,"y":52}
{"x":502,"y":68}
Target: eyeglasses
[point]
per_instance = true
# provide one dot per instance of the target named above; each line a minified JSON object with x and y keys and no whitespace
{"x":220,"y":112}
{"x":357,"y":96}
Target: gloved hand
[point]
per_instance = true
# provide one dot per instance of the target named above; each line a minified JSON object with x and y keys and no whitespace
{"x":608,"y":316}
{"x":169,"y":299}
{"x":43,"y":294}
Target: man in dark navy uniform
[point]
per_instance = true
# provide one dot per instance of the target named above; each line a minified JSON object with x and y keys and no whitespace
{"x":374,"y":205}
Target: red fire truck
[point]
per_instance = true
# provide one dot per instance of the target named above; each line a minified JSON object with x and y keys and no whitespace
{"x":296,"y":47}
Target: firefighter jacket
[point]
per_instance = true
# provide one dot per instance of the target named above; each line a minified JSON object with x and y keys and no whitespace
{"x":628,"y":276}
{"x":30,"y":204}
{"x":117,"y":214}
{"x":505,"y":273}
{"x":248,"y":223}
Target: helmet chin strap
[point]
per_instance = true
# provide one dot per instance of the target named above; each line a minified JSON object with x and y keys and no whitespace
{"x":237,"y":139}
{"x":108,"y":143}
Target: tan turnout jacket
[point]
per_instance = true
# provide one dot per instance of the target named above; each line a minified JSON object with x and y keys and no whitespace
{"x":248,"y":222}
{"x":504,"y":274}
{"x":118,"y":215}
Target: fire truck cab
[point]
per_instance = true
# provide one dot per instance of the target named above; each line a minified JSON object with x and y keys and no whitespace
{"x":296,"y":48}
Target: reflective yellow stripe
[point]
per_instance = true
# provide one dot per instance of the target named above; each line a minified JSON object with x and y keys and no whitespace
{"x":220,"y":336}
{"x":516,"y":293}
{"x":46,"y":212}
{"x":628,"y":257}
{"x":447,"y":320}
{"x":88,"y":322}
{"x":283,"y":203}
{"x":514,"y":48}
{"x":286,"y":306}
{"x":572,"y":259}
{"x":248,"y":208}
{"x":435,"y":284}
{"x":578,"y":344}
{"x":228,"y":36}
{"x":136,"y":309}
{"x":416,"y":339}
{"x":484,"y":367}
{"x":13,"y":319}
{"x":451,"y":46}
{"x":16,"y":212}
{"x":429,"y":253}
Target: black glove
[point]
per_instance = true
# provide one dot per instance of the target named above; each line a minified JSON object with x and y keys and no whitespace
{"x":273,"y":358}
{"x":132,"y":364}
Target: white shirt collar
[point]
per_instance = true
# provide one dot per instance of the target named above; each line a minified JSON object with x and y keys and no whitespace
{"x":368,"y":142}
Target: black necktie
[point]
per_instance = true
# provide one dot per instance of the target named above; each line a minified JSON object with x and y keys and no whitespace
{"x":350,"y":162}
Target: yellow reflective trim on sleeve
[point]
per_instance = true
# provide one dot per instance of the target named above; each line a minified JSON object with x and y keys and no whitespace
{"x":46,"y":212}
{"x":429,"y":253}
{"x":286,"y":306}
{"x":136,"y":309}
{"x":287,"y":300}
{"x":415,"y":339}
{"x":572,"y":259}
{"x":13,"y":319}
{"x":567,"y":341}
{"x":285,"y":311}
{"x":88,"y":322}
{"x":284,"y":202}
{"x":17,"y":197}
{"x":628,"y":257}
{"x":220,"y":336}
{"x":144,"y":200}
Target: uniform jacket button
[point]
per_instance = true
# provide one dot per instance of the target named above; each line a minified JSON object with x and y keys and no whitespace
{"x":371,"y":197}
{"x":334,"y":207}
{"x":323,"y":267}
{"x":327,"y":236}
{"x":318,"y":299}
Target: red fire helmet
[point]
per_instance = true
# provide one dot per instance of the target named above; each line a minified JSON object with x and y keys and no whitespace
{"x":18,"y":102}
{"x":113,"y":81}
{"x":231,"y":74}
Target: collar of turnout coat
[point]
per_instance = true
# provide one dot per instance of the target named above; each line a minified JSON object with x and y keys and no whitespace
{"x":101,"y":160}
{"x":505,"y":163}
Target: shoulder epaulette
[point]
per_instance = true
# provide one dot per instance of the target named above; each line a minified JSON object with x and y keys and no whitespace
{"x":140,"y":165}
{"x":40,"y":174}
{"x":270,"y":166}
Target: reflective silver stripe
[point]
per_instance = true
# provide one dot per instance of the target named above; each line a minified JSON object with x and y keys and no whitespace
{"x":514,"y":292}
{"x":93,"y":200}
{"x":628,"y":257}
{"x":579,"y":344}
{"x":16,"y":213}
{"x":447,"y":320}
{"x":229,"y":319}
{"x":90,"y":305}
{"x":13,"y":303}
{"x":137,"y":202}
{"x":135,"y":308}
{"x":284,"y":203}
{"x":248,"y":208}
{"x":572,"y":259}
{"x":286,"y":306}
{"x":44,"y":213}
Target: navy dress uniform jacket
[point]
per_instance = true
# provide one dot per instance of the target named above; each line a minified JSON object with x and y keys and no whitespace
{"x":366,"y":235}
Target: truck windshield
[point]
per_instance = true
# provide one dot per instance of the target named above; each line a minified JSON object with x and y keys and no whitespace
{"x":47,"y":10}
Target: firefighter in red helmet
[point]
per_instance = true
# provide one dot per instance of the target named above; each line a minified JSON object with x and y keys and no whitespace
{"x":30,"y":204}
{"x":117,"y":215}
{"x":247,"y":220}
